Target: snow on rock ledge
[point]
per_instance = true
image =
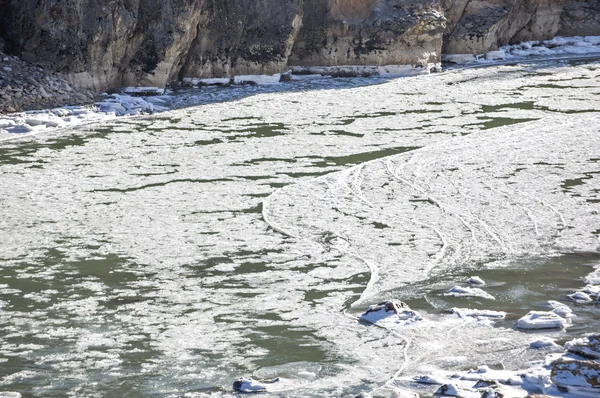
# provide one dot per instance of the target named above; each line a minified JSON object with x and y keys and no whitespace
{"x":577,"y":376}
{"x":588,"y":346}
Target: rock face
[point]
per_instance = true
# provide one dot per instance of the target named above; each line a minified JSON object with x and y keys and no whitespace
{"x":580,"y":18}
{"x":478,"y":26}
{"x":107,"y":44}
{"x":371,"y":32}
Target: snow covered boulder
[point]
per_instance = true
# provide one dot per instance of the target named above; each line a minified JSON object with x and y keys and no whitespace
{"x":576,"y":375}
{"x":541,"y":320}
{"x":588,"y":346}
{"x":389,"y":313}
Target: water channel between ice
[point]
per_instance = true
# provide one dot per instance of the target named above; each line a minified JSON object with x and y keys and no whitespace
{"x":167,"y":254}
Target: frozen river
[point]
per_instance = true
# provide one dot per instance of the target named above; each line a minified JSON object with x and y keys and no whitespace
{"x":170,"y":254}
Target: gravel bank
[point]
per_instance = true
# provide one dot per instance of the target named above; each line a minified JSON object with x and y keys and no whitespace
{"x":26,"y":87}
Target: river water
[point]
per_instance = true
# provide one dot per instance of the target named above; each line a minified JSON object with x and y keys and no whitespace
{"x":168,"y":255}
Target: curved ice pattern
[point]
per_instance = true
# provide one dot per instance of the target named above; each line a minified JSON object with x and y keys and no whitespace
{"x":454,"y":204}
{"x":147,"y":237}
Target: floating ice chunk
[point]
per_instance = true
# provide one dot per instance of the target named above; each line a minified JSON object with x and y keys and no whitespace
{"x":306,"y":375}
{"x":390,"y":313}
{"x":479,"y":316}
{"x":403,"y":394}
{"x":143,"y":91}
{"x":485,"y":373}
{"x":592,"y":290}
{"x":578,"y":374}
{"x":495,"y":55}
{"x":475,"y":280}
{"x":460,"y":291}
{"x":459,"y":59}
{"x":363,"y":395}
{"x":452,"y":390}
{"x":595,"y":40}
{"x":258,"y":79}
{"x":10,"y":394}
{"x":593,"y":278}
{"x":431,"y":380}
{"x":587,"y":346}
{"x":543,"y":342}
{"x":215,"y":81}
{"x":248,"y":385}
{"x":541,"y":320}
{"x":580,"y":297}
{"x":564,"y":312}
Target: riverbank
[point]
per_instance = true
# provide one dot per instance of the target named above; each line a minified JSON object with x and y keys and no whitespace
{"x":25,"y":87}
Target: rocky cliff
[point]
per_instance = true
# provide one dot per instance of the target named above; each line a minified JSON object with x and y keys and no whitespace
{"x":106,"y":44}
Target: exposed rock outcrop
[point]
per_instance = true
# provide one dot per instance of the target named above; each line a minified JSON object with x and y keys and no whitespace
{"x":371,"y":32}
{"x":580,"y":18}
{"x":23,"y":87}
{"x":478,"y":26}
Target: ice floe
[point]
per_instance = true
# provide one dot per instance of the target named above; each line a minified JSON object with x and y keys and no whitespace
{"x":543,"y":342}
{"x":542,"y":320}
{"x":480,"y":316}
{"x":475,"y":280}
{"x":390,"y":313}
{"x":580,"y":297}
{"x":248,"y":385}
{"x":461,"y":291}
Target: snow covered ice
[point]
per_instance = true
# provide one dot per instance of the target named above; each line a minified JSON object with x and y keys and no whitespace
{"x":167,"y":253}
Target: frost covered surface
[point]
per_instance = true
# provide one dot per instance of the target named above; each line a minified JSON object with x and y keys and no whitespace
{"x":139,"y":261}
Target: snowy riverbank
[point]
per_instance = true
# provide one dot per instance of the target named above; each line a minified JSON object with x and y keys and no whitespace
{"x":132,"y":101}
